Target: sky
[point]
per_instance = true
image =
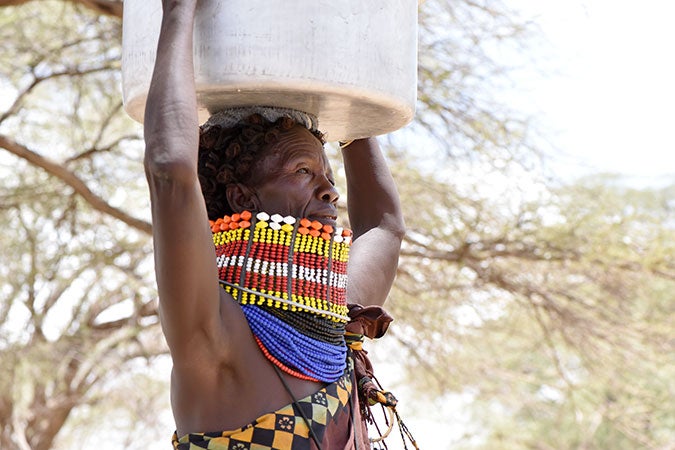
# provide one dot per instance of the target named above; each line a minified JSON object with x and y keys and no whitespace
{"x":606,"y":90}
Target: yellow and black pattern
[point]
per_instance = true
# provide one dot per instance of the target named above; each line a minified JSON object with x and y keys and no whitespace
{"x":284,"y":429}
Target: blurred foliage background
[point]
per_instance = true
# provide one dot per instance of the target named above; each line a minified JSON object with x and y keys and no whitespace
{"x":543,"y":308}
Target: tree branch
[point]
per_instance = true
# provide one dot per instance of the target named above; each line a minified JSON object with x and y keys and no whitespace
{"x":74,"y":182}
{"x":70,"y":72}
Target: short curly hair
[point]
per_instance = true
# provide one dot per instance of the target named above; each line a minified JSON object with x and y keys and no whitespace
{"x":229,"y":155}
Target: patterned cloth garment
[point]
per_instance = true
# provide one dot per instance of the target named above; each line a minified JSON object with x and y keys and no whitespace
{"x":284,"y":428}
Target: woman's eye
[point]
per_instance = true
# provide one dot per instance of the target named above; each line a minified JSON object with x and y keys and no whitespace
{"x":304,"y":170}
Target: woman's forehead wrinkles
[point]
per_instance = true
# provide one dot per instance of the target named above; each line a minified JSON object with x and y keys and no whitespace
{"x":297,"y":148}
{"x":295,"y":153}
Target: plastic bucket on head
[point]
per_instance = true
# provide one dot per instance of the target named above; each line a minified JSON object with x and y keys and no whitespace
{"x":351,"y":63}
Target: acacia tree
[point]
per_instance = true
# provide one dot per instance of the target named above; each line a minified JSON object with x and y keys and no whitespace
{"x":554,"y":316}
{"x":529,"y":303}
{"x":77,"y":305}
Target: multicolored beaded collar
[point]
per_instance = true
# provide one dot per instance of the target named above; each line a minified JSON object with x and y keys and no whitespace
{"x":290,"y":278}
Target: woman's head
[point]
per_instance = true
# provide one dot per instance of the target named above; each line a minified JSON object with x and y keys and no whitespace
{"x":279,"y":167}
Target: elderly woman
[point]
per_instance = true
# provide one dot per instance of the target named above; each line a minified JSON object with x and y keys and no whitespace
{"x":251,"y":265}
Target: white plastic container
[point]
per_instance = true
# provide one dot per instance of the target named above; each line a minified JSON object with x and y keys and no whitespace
{"x":352,"y":63}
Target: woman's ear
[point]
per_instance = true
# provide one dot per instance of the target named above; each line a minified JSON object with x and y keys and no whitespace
{"x":241,"y":197}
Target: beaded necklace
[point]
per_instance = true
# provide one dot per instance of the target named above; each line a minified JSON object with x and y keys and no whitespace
{"x":290,"y":278}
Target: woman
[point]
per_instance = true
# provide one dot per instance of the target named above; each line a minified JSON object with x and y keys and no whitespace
{"x":223,"y":381}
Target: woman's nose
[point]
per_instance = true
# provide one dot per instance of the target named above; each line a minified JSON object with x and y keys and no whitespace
{"x":327,"y":192}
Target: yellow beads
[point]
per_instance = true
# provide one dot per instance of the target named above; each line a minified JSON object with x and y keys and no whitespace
{"x":284,"y":263}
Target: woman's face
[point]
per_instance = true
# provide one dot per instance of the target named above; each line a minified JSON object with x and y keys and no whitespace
{"x":294,"y":178}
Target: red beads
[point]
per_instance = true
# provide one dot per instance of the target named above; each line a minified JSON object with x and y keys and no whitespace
{"x":302,"y":262}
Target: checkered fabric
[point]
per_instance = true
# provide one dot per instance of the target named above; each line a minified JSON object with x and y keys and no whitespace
{"x":284,"y":429}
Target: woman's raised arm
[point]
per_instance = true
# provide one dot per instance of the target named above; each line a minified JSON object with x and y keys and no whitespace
{"x":184,"y":254}
{"x":377,"y":222}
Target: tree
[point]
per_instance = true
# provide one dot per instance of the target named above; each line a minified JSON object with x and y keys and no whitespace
{"x":554,"y":315}
{"x":103,"y":7}
{"x":78,"y":306}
